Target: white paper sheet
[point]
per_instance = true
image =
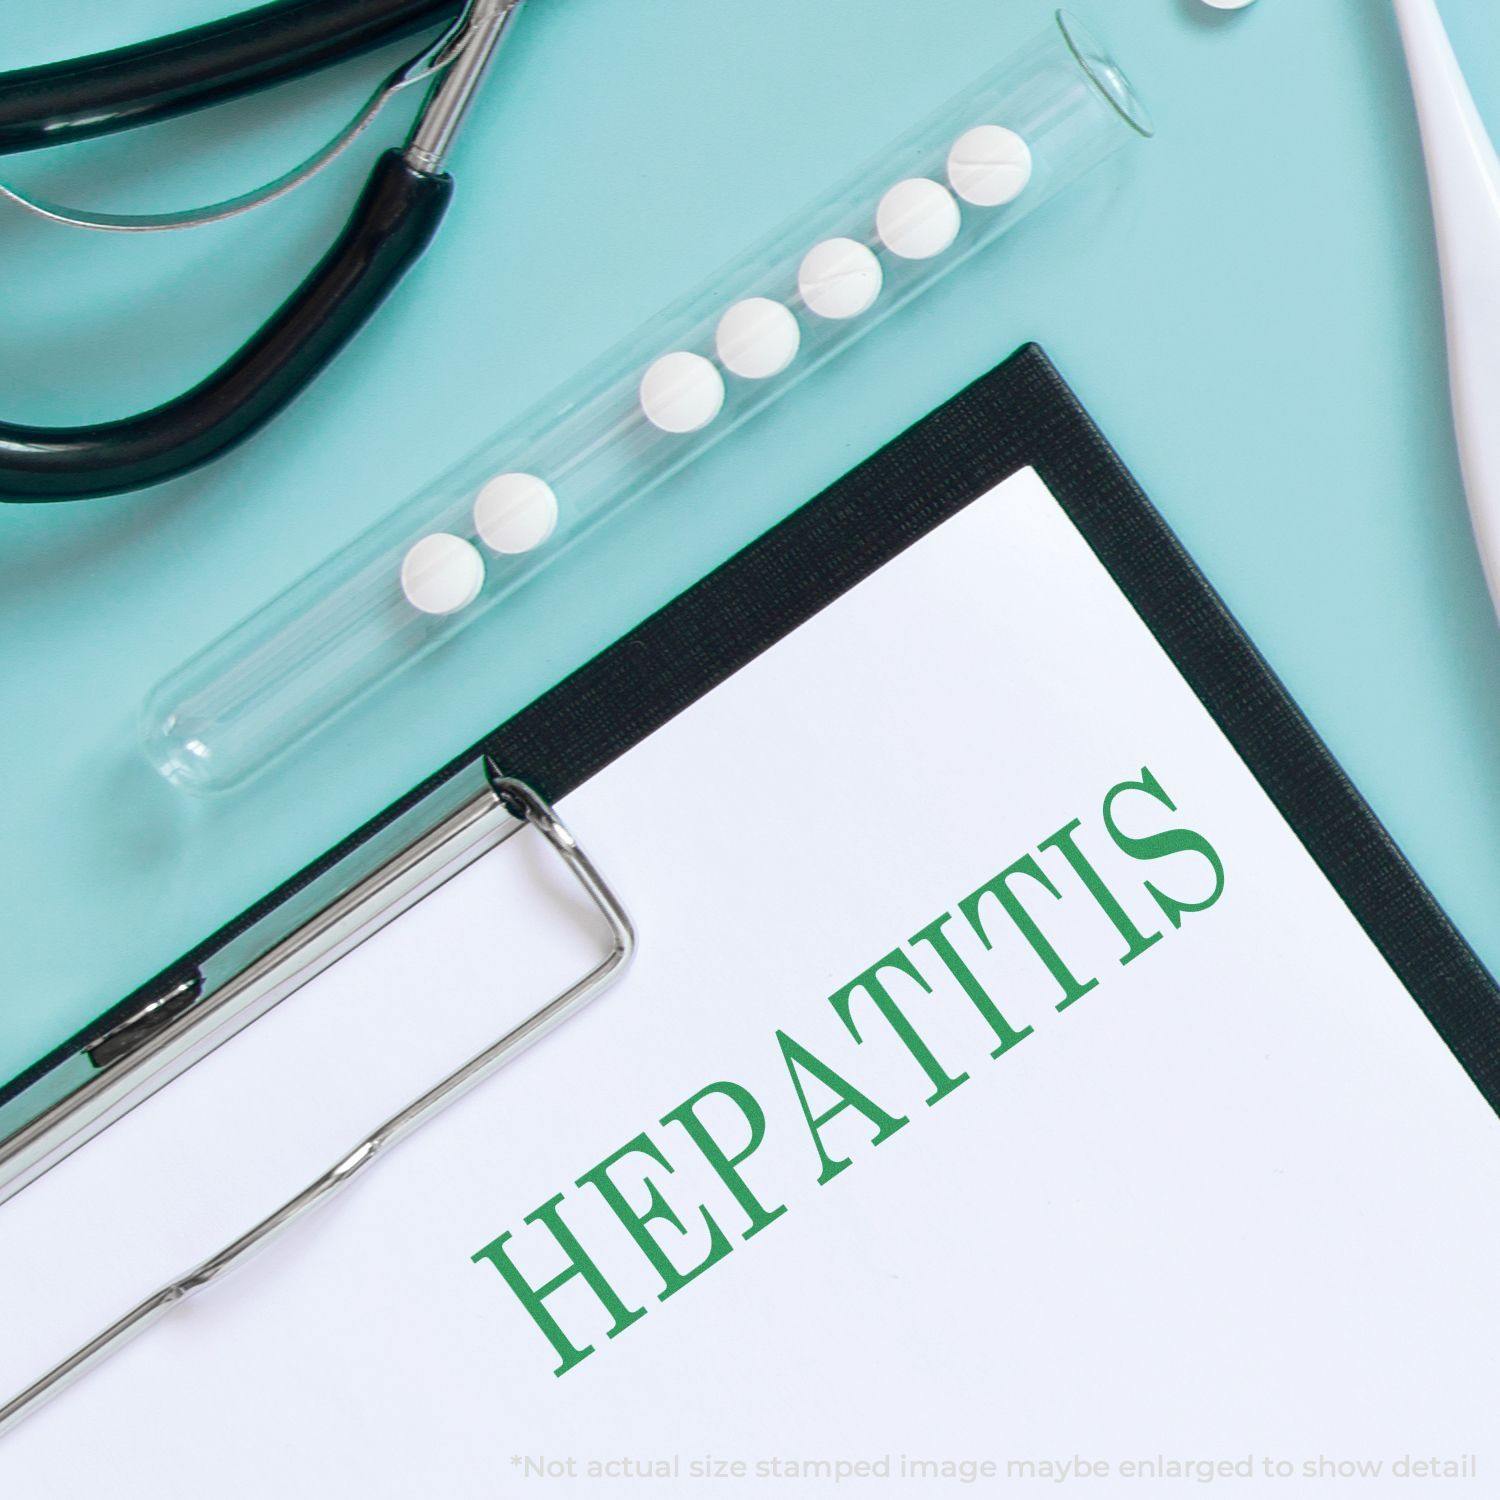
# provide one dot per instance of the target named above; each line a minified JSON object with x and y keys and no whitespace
{"x":1236,"y":1204}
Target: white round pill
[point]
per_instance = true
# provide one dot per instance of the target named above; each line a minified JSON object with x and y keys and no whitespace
{"x":1228,"y":4}
{"x":515,"y":512}
{"x":839,"y":278}
{"x":441,"y":573}
{"x":989,"y":165}
{"x":757,"y":338}
{"x":917,"y":219}
{"x":682,"y":392}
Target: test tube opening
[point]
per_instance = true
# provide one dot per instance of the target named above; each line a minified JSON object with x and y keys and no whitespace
{"x":1105,"y":74}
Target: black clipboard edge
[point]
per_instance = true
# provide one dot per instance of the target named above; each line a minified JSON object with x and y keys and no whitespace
{"x":1020,"y":414}
{"x":1023,"y":413}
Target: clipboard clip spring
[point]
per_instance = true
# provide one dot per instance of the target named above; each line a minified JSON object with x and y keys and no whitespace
{"x":525,"y":805}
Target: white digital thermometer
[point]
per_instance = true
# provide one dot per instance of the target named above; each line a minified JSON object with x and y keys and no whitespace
{"x":1464,"y":173}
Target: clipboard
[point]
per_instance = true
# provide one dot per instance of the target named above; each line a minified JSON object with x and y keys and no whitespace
{"x":1022,"y":414}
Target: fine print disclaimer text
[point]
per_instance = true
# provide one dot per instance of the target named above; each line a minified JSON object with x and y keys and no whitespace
{"x":1288,"y":1470}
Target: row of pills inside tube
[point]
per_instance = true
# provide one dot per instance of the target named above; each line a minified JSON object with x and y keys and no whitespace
{"x":757,"y":338}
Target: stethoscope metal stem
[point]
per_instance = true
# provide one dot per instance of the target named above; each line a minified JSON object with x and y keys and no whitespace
{"x":484,"y":27}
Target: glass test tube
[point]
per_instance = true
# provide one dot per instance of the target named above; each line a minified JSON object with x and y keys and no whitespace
{"x":443,"y":559}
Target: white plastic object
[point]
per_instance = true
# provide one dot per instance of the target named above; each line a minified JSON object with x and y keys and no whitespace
{"x":1464,"y":174}
{"x":917,"y":219}
{"x":514,"y":513}
{"x":348,"y":629}
{"x":1229,"y":4}
{"x":757,"y":338}
{"x":441,"y":573}
{"x":989,"y":165}
{"x":681,"y":392}
{"x":839,"y":278}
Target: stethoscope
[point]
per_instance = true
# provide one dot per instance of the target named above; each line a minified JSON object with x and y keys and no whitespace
{"x":392,"y":222}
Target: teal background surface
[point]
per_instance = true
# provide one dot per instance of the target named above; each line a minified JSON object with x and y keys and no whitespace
{"x":1248,"y":305}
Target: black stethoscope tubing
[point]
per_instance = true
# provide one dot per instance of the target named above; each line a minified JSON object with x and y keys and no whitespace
{"x":62,"y":102}
{"x":392,"y":222}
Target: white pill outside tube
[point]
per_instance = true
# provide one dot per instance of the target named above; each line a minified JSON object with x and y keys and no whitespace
{"x":757,"y":338}
{"x":441,"y":573}
{"x":1228,"y":4}
{"x":839,"y":278}
{"x":989,"y":166}
{"x":917,"y":219}
{"x":515,"y":512}
{"x":681,"y":392}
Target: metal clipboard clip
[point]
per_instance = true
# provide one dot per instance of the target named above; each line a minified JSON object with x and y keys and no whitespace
{"x":503,"y":807}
